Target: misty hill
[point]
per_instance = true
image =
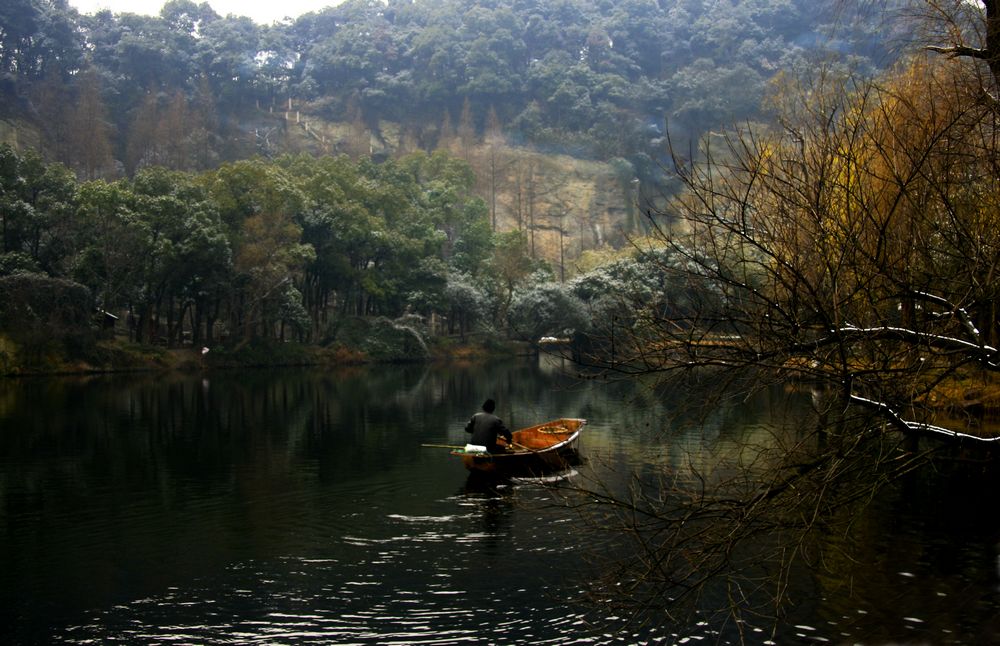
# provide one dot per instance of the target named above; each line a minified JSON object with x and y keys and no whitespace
{"x":109,"y":94}
{"x":595,"y":79}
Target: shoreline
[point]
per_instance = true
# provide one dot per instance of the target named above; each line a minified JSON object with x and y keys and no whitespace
{"x":114,"y":357}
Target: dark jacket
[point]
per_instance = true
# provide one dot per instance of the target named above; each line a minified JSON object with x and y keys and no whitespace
{"x":485,"y":428}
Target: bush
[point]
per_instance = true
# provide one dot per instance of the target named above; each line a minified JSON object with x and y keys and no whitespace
{"x":45,"y":315}
{"x":546,"y":309}
{"x":382,"y":339}
{"x":394,"y":341}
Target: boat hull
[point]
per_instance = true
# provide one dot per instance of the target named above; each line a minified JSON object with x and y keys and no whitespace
{"x":543,"y":448}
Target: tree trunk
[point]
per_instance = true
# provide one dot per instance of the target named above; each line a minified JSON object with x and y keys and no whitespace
{"x":993,"y":38}
{"x":196,"y":313}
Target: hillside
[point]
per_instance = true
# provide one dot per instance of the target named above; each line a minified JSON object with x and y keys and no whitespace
{"x":560,"y":108}
{"x":114,"y":92}
{"x":566,"y":205}
{"x":209,"y":179}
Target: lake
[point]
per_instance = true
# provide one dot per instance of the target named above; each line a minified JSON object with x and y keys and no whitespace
{"x":298,"y":506}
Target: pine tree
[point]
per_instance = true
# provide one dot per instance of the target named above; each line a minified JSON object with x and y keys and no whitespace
{"x":174,"y":133}
{"x":141,"y":148}
{"x":359,"y":144}
{"x":447,"y":136}
{"x":495,"y":145}
{"x":205,"y":133}
{"x":466,"y":130}
{"x":89,"y":134}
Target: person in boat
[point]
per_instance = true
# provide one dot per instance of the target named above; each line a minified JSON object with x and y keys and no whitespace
{"x":487,"y":427}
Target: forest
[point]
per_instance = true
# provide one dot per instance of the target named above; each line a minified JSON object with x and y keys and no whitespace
{"x":111,"y":93}
{"x":298,"y":248}
{"x":143,"y":164}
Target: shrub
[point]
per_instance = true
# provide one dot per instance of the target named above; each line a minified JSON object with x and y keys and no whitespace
{"x":44,"y":315}
{"x":389,"y":340}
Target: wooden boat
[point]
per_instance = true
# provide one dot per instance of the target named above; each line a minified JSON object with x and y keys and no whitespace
{"x":540,"y":448}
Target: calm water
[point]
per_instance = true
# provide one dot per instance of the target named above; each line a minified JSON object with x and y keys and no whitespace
{"x":298,"y":507}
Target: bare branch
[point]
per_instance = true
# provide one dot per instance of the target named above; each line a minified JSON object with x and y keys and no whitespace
{"x":956,"y":51}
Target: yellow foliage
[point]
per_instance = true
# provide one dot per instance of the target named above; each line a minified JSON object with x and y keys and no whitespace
{"x":857,"y":184}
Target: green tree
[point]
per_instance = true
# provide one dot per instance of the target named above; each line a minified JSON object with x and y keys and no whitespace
{"x":38,"y":38}
{"x":510,"y":265}
{"x":186,"y":255}
{"x":465,"y":303}
{"x":51,"y":238}
{"x":45,"y":315}
{"x":150,"y":53}
{"x":261,"y":207}
{"x":707,"y":94}
{"x":546,"y":309}
{"x":112,"y":243}
{"x":226,"y":54}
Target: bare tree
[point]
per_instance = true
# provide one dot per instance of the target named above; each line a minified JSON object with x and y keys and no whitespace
{"x":962,"y":29}
{"x":466,"y":130}
{"x":852,"y":251}
{"x":89,"y":133}
{"x":849,"y":246}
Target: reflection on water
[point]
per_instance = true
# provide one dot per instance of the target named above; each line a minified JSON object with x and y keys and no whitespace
{"x":299,"y":507}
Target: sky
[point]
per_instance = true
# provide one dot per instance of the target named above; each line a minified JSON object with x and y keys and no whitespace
{"x":263,"y":12}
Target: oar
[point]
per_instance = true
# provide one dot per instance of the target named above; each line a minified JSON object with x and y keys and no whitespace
{"x":443,"y":446}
